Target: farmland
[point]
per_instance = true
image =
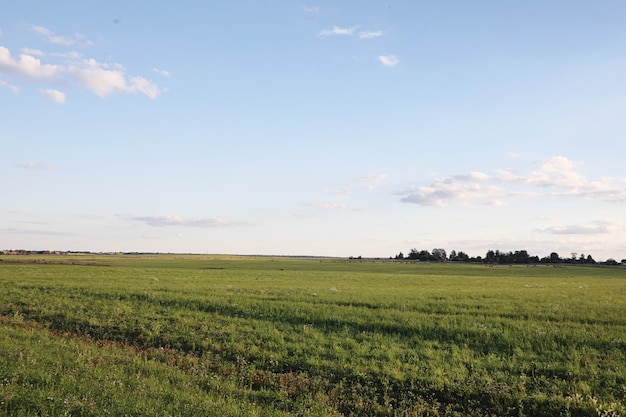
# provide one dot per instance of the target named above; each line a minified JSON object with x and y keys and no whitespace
{"x":259,"y":336}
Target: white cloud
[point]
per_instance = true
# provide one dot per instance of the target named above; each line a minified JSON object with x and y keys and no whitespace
{"x":444,"y":191}
{"x":37,"y":167}
{"x":593,"y":228}
{"x":35,"y":232}
{"x":557,"y":171}
{"x":554,"y":177}
{"x":372,"y":181}
{"x":162,"y":221}
{"x":349,"y":31}
{"x":389,"y":60}
{"x":473,"y":176}
{"x":370,"y":35}
{"x":508,"y":176}
{"x":33,"y":52}
{"x":337,"y":31}
{"x":27,"y":65}
{"x":161,"y":72}
{"x":12,"y":87}
{"x":54,"y":95}
{"x":69,"y":55}
{"x":144,"y":86}
{"x":365,"y":183}
{"x":334,"y":206}
{"x":52,"y":37}
{"x":314,"y":9}
{"x":99,"y":78}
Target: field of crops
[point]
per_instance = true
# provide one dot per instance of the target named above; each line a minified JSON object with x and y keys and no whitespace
{"x":244,"y":336}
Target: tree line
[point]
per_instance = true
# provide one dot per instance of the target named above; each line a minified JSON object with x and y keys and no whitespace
{"x":497,"y":257}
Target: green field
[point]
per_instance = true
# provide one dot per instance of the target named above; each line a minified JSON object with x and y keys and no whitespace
{"x":244,"y":336}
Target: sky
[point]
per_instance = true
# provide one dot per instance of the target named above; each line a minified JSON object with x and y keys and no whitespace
{"x":321,"y":128}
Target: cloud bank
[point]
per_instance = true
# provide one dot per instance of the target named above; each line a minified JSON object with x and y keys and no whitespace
{"x":335,"y":206}
{"x":557,"y":176}
{"x":37,"y":167}
{"x":35,"y":232}
{"x":593,"y":228}
{"x":163,"y":221}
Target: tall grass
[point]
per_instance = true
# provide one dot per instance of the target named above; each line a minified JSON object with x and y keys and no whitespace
{"x":194,"y":335}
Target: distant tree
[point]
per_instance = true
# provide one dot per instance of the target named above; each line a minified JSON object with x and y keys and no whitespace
{"x":611,"y":261}
{"x":500,"y":256}
{"x":413,"y":255}
{"x":521,"y":257}
{"x":462,"y":256}
{"x":494,"y":256}
{"x":477,"y":259}
{"x":440,"y":254}
{"x":425,"y":256}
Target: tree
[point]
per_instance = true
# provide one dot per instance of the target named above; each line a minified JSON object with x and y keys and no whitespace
{"x":413,"y":255}
{"x":425,"y":256}
{"x":521,"y":257}
{"x":462,"y":256}
{"x":440,"y":254}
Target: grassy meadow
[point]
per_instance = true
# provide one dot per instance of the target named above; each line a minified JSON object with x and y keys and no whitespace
{"x":88,"y":335}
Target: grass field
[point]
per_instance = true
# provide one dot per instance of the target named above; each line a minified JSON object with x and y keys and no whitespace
{"x":243,"y":336}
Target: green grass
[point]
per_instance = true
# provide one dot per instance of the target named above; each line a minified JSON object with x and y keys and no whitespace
{"x":244,"y":336}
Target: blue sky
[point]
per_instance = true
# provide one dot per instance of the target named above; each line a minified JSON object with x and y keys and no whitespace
{"x":314,"y":128}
